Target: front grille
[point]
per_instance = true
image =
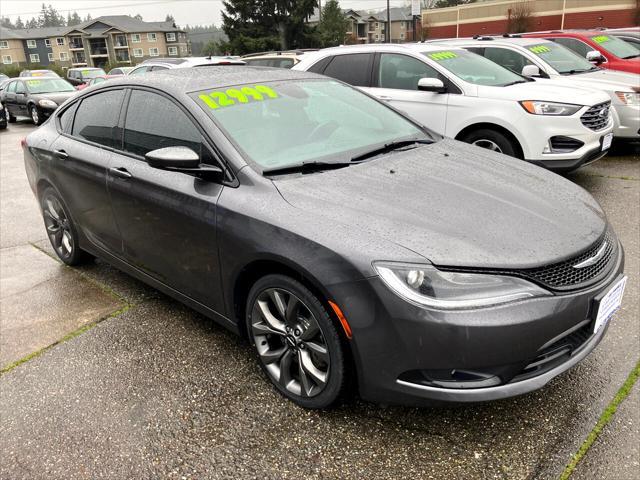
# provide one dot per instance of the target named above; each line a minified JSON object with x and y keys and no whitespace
{"x":596,"y":117}
{"x":560,"y":144}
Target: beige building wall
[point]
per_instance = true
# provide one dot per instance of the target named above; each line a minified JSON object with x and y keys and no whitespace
{"x":145,"y":44}
{"x":15,"y":51}
{"x":57,"y":49}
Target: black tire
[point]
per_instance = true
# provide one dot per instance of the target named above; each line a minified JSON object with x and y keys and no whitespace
{"x":61,"y":230}
{"x":320,"y":394}
{"x":492,"y":140}
{"x":36,"y":115}
{"x":10,"y":118}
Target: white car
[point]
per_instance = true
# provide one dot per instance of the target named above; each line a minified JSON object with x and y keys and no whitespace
{"x":464,"y":96}
{"x":540,"y":58}
{"x":153,"y":65}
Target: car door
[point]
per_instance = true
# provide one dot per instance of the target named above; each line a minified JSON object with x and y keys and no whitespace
{"x":20,"y":102}
{"x":395,"y":80}
{"x":9,"y":98}
{"x":82,"y":156}
{"x":167,"y":219}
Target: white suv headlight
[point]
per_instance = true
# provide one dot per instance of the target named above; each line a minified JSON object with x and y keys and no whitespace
{"x":629,"y":98}
{"x":48,"y":103}
{"x":426,"y":286}
{"x":549,"y":108}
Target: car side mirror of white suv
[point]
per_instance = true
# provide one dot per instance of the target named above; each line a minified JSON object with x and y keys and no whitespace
{"x":530,"y":71}
{"x":431,"y":85}
{"x":595,"y":56}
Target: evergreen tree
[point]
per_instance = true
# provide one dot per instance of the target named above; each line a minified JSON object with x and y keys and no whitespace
{"x":333,"y":25}
{"x":137,"y":16}
{"x":6,"y":23}
{"x":88,"y":17}
{"x":73,"y":19}
{"x":19,"y":23}
{"x":169,"y":18}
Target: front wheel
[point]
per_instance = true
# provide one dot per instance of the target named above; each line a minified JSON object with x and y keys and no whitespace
{"x":491,"y":140}
{"x":61,"y":231}
{"x":36,"y":116}
{"x":297,"y":344}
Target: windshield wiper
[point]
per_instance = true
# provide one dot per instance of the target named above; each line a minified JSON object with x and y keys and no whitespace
{"x":306,"y":167}
{"x":631,"y":56}
{"x":516,"y":82}
{"x":387,"y":147}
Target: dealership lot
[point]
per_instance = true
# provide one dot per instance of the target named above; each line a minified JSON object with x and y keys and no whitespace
{"x":155,"y":390}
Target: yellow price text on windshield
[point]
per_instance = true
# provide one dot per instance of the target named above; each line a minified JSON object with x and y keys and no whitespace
{"x":33,"y":83}
{"x":600,"y":39}
{"x":540,"y":49}
{"x":438,"y":56}
{"x":234,"y":96}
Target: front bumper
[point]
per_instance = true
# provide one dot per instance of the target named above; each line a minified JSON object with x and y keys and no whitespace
{"x":564,"y":166}
{"x":627,"y":122}
{"x":509,"y":348}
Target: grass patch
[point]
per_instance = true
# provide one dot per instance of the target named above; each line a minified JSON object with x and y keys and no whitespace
{"x":604,"y":419}
{"x":621,"y":177}
{"x":67,"y":337}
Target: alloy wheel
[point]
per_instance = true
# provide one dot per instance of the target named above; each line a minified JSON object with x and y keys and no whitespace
{"x":34,"y":115}
{"x":289,"y":342}
{"x":58,"y":227}
{"x":488,"y":144}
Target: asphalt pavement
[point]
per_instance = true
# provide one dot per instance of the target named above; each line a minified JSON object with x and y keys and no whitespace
{"x":142,"y":387}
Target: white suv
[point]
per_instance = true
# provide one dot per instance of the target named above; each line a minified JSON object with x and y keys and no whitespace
{"x":154,"y":65}
{"x":462,"y":95}
{"x":544,"y":59}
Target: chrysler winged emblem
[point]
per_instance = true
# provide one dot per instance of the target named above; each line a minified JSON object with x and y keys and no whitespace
{"x":592,"y":260}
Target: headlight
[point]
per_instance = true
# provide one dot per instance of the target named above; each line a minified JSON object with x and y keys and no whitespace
{"x":549,"y":108}
{"x":629,"y":98}
{"x":48,"y":104}
{"x":426,"y":286}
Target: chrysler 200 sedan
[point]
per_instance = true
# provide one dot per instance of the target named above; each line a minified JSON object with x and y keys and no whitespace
{"x":350,"y":245}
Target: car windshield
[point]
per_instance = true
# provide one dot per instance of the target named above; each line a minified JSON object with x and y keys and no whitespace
{"x":614,"y":45}
{"x":285,"y":124}
{"x":563,"y":60}
{"x":474,"y":68}
{"x":92,"y":73}
{"x":42,"y":73}
{"x":49,"y":85}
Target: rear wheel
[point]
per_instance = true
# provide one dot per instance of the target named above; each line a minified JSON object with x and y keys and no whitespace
{"x":297,"y":344}
{"x":491,"y":140}
{"x":10,"y":118}
{"x":61,"y":231}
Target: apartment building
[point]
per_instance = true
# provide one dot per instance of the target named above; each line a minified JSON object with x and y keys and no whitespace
{"x":370,"y":26}
{"x":94,"y":43}
{"x":492,"y":16}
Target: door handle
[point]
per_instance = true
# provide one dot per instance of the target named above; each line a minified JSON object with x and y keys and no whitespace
{"x":61,"y":154}
{"x":120,"y":172}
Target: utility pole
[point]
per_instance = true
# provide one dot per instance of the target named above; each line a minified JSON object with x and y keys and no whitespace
{"x":564,"y":6}
{"x":319,"y":10}
{"x":388,"y":32}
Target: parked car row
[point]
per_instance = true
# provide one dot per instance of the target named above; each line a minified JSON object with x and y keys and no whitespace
{"x":352,"y":246}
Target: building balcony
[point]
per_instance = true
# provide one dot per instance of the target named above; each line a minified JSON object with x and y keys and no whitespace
{"x":76,"y":45}
{"x":120,"y":41}
{"x":122,"y":56}
{"x":99,"y":52}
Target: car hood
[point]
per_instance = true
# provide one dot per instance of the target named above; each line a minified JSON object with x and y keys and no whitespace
{"x":549,"y":91}
{"x":58,"y":97}
{"x":610,"y":80}
{"x":456,"y":205}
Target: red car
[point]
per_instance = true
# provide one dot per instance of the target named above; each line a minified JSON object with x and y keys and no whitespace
{"x":95,"y":81}
{"x":616,"y":54}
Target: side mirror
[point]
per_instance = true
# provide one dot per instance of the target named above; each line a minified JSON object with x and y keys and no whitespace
{"x":530,"y":71}
{"x":595,"y":56}
{"x":182,"y":159}
{"x":431,"y":85}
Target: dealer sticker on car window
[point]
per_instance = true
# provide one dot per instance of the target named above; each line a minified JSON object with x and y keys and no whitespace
{"x":33,"y":83}
{"x":439,"y":56}
{"x":537,"y":49}
{"x":609,"y":304}
{"x":235,"y":96}
{"x":600,"y":39}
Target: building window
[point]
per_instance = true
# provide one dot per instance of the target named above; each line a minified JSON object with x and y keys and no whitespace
{"x":171,"y":37}
{"x":64,"y":56}
{"x":376,"y":25}
{"x":4,"y":44}
{"x":34,"y":58}
{"x":153,"y":52}
{"x":47,"y":42}
{"x":31,"y":44}
{"x":50,"y":55}
{"x":183,"y":50}
{"x":173,"y":50}
{"x":402,"y":25}
{"x":6,"y":59}
{"x":135,"y":38}
{"x":60,"y":41}
{"x":137,"y":52}
{"x":402,"y":36}
{"x":151,"y":37}
{"x":376,"y":36}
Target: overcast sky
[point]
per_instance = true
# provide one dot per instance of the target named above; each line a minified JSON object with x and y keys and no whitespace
{"x":192,"y":12}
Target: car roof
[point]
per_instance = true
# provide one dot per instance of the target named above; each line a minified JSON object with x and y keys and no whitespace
{"x":85,"y":68}
{"x":185,"y":80}
{"x":187,"y":62}
{"x":487,"y":40}
{"x":394,"y":47}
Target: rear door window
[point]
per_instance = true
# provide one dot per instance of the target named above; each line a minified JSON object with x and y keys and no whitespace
{"x":509,"y":59}
{"x":354,"y":69}
{"x":20,"y":87}
{"x":12,"y":87}
{"x":66,"y":118}
{"x":97,"y":118}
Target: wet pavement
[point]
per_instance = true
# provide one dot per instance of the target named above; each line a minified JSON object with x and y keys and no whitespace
{"x":159,"y":391}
